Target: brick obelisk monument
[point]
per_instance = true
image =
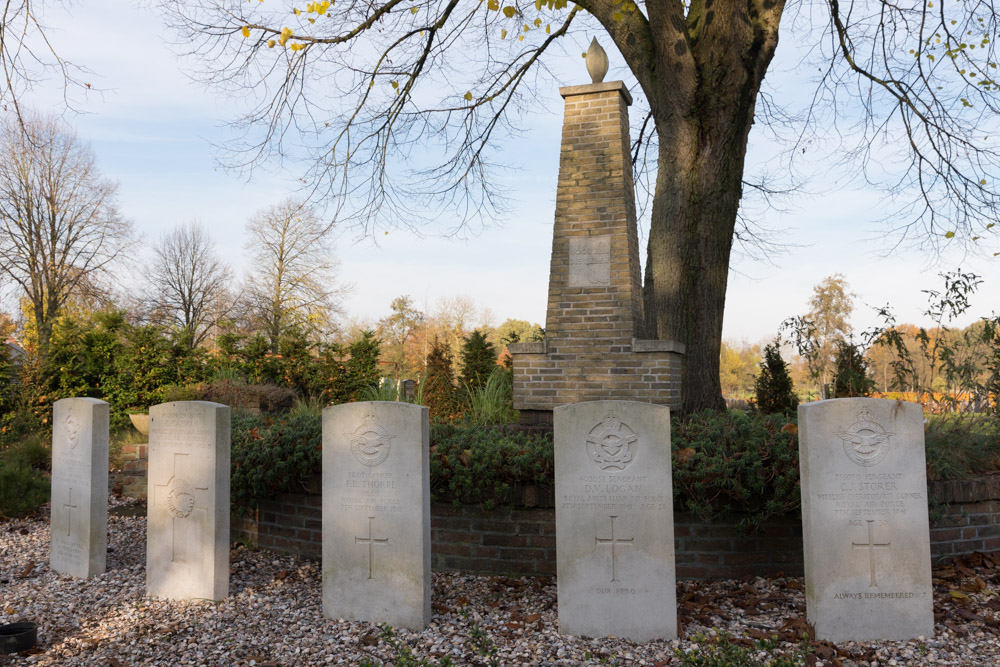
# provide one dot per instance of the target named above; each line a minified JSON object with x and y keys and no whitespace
{"x":591,"y":349}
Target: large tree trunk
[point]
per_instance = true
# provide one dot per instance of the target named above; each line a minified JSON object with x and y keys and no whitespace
{"x":702,"y":94}
{"x":691,"y":235}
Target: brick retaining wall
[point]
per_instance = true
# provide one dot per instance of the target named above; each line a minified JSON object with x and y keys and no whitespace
{"x":521,"y":540}
{"x":965,"y":518}
{"x":968,"y":517}
{"x":133,"y":475}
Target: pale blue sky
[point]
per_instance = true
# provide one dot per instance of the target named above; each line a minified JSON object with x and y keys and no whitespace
{"x":152,"y":130}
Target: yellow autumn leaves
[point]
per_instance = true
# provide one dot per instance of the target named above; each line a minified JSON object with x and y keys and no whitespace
{"x":318,"y":8}
{"x":511,"y":12}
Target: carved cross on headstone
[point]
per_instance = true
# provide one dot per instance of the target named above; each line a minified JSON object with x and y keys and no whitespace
{"x":871,"y":545}
{"x":614,"y":542}
{"x":181,"y":498}
{"x":371,"y":542}
{"x":69,"y":507}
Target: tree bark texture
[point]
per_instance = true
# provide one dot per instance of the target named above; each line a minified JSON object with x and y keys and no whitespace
{"x":701,"y":74}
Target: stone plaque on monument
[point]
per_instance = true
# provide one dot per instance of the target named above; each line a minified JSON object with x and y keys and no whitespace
{"x":865,"y":531}
{"x":376,"y":514}
{"x":615,"y":520}
{"x":590,"y":261}
{"x":187,"y":532}
{"x":79,"y":519}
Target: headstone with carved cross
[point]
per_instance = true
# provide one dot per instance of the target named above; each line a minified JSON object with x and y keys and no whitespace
{"x":864,"y":519}
{"x":615,"y":520}
{"x":79,"y":506}
{"x":187,"y":538}
{"x":376,"y":514}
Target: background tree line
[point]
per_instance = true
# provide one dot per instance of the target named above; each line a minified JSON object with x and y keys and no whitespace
{"x":951,"y":367}
{"x":94,"y":312}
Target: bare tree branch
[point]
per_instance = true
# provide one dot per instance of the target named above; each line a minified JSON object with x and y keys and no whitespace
{"x":60,"y":228}
{"x":291,"y":284}
{"x":189,"y":283}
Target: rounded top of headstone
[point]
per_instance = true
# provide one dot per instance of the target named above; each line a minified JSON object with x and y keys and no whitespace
{"x":597,"y":62}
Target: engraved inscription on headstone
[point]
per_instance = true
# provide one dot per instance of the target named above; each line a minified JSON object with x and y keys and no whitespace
{"x":611,"y":443}
{"x":866,"y":537}
{"x":187,"y":533}
{"x":371,"y":541}
{"x":614,"y":520}
{"x":69,"y":507}
{"x":79,"y":521}
{"x":866,"y":442}
{"x":376,"y":513}
{"x":871,"y":545}
{"x":590,"y":261}
{"x":614,"y":542}
{"x":181,"y":497}
{"x":71,"y":429}
{"x":370,"y":443}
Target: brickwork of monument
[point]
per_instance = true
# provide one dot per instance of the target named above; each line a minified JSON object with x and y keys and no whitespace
{"x":592,"y":349}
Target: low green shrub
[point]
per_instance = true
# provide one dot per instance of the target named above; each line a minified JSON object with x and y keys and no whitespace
{"x":726,"y":465}
{"x":484,"y":464}
{"x":271,"y":456}
{"x":961,"y":445}
{"x":730,"y":463}
{"x":241,"y":396}
{"x":24,"y":484}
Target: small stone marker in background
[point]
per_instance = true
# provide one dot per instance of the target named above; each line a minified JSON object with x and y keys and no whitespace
{"x":864,"y":519}
{"x":376,"y":514}
{"x":79,"y":523}
{"x":615,"y":520}
{"x":187,"y":534}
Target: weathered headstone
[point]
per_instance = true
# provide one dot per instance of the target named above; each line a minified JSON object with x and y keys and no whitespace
{"x":187,"y":534}
{"x":615,"y":520}
{"x":376,"y":514}
{"x":864,"y":519}
{"x":79,"y":523}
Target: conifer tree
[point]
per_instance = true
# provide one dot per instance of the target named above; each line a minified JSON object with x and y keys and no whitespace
{"x":439,"y":390}
{"x":362,"y":367}
{"x":479,"y":358}
{"x":850,"y":375}
{"x":774,"y":388}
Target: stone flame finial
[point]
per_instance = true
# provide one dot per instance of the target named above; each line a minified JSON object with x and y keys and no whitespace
{"x":597,"y":62}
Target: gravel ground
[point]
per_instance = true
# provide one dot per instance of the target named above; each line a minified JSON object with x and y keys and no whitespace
{"x":273,"y":616}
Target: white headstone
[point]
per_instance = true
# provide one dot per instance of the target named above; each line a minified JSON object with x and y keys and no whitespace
{"x":79,"y":524}
{"x":187,"y":533}
{"x":376,"y":514}
{"x":864,"y":519}
{"x":615,"y":520}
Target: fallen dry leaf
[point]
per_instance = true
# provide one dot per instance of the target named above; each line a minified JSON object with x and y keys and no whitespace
{"x":684,"y":455}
